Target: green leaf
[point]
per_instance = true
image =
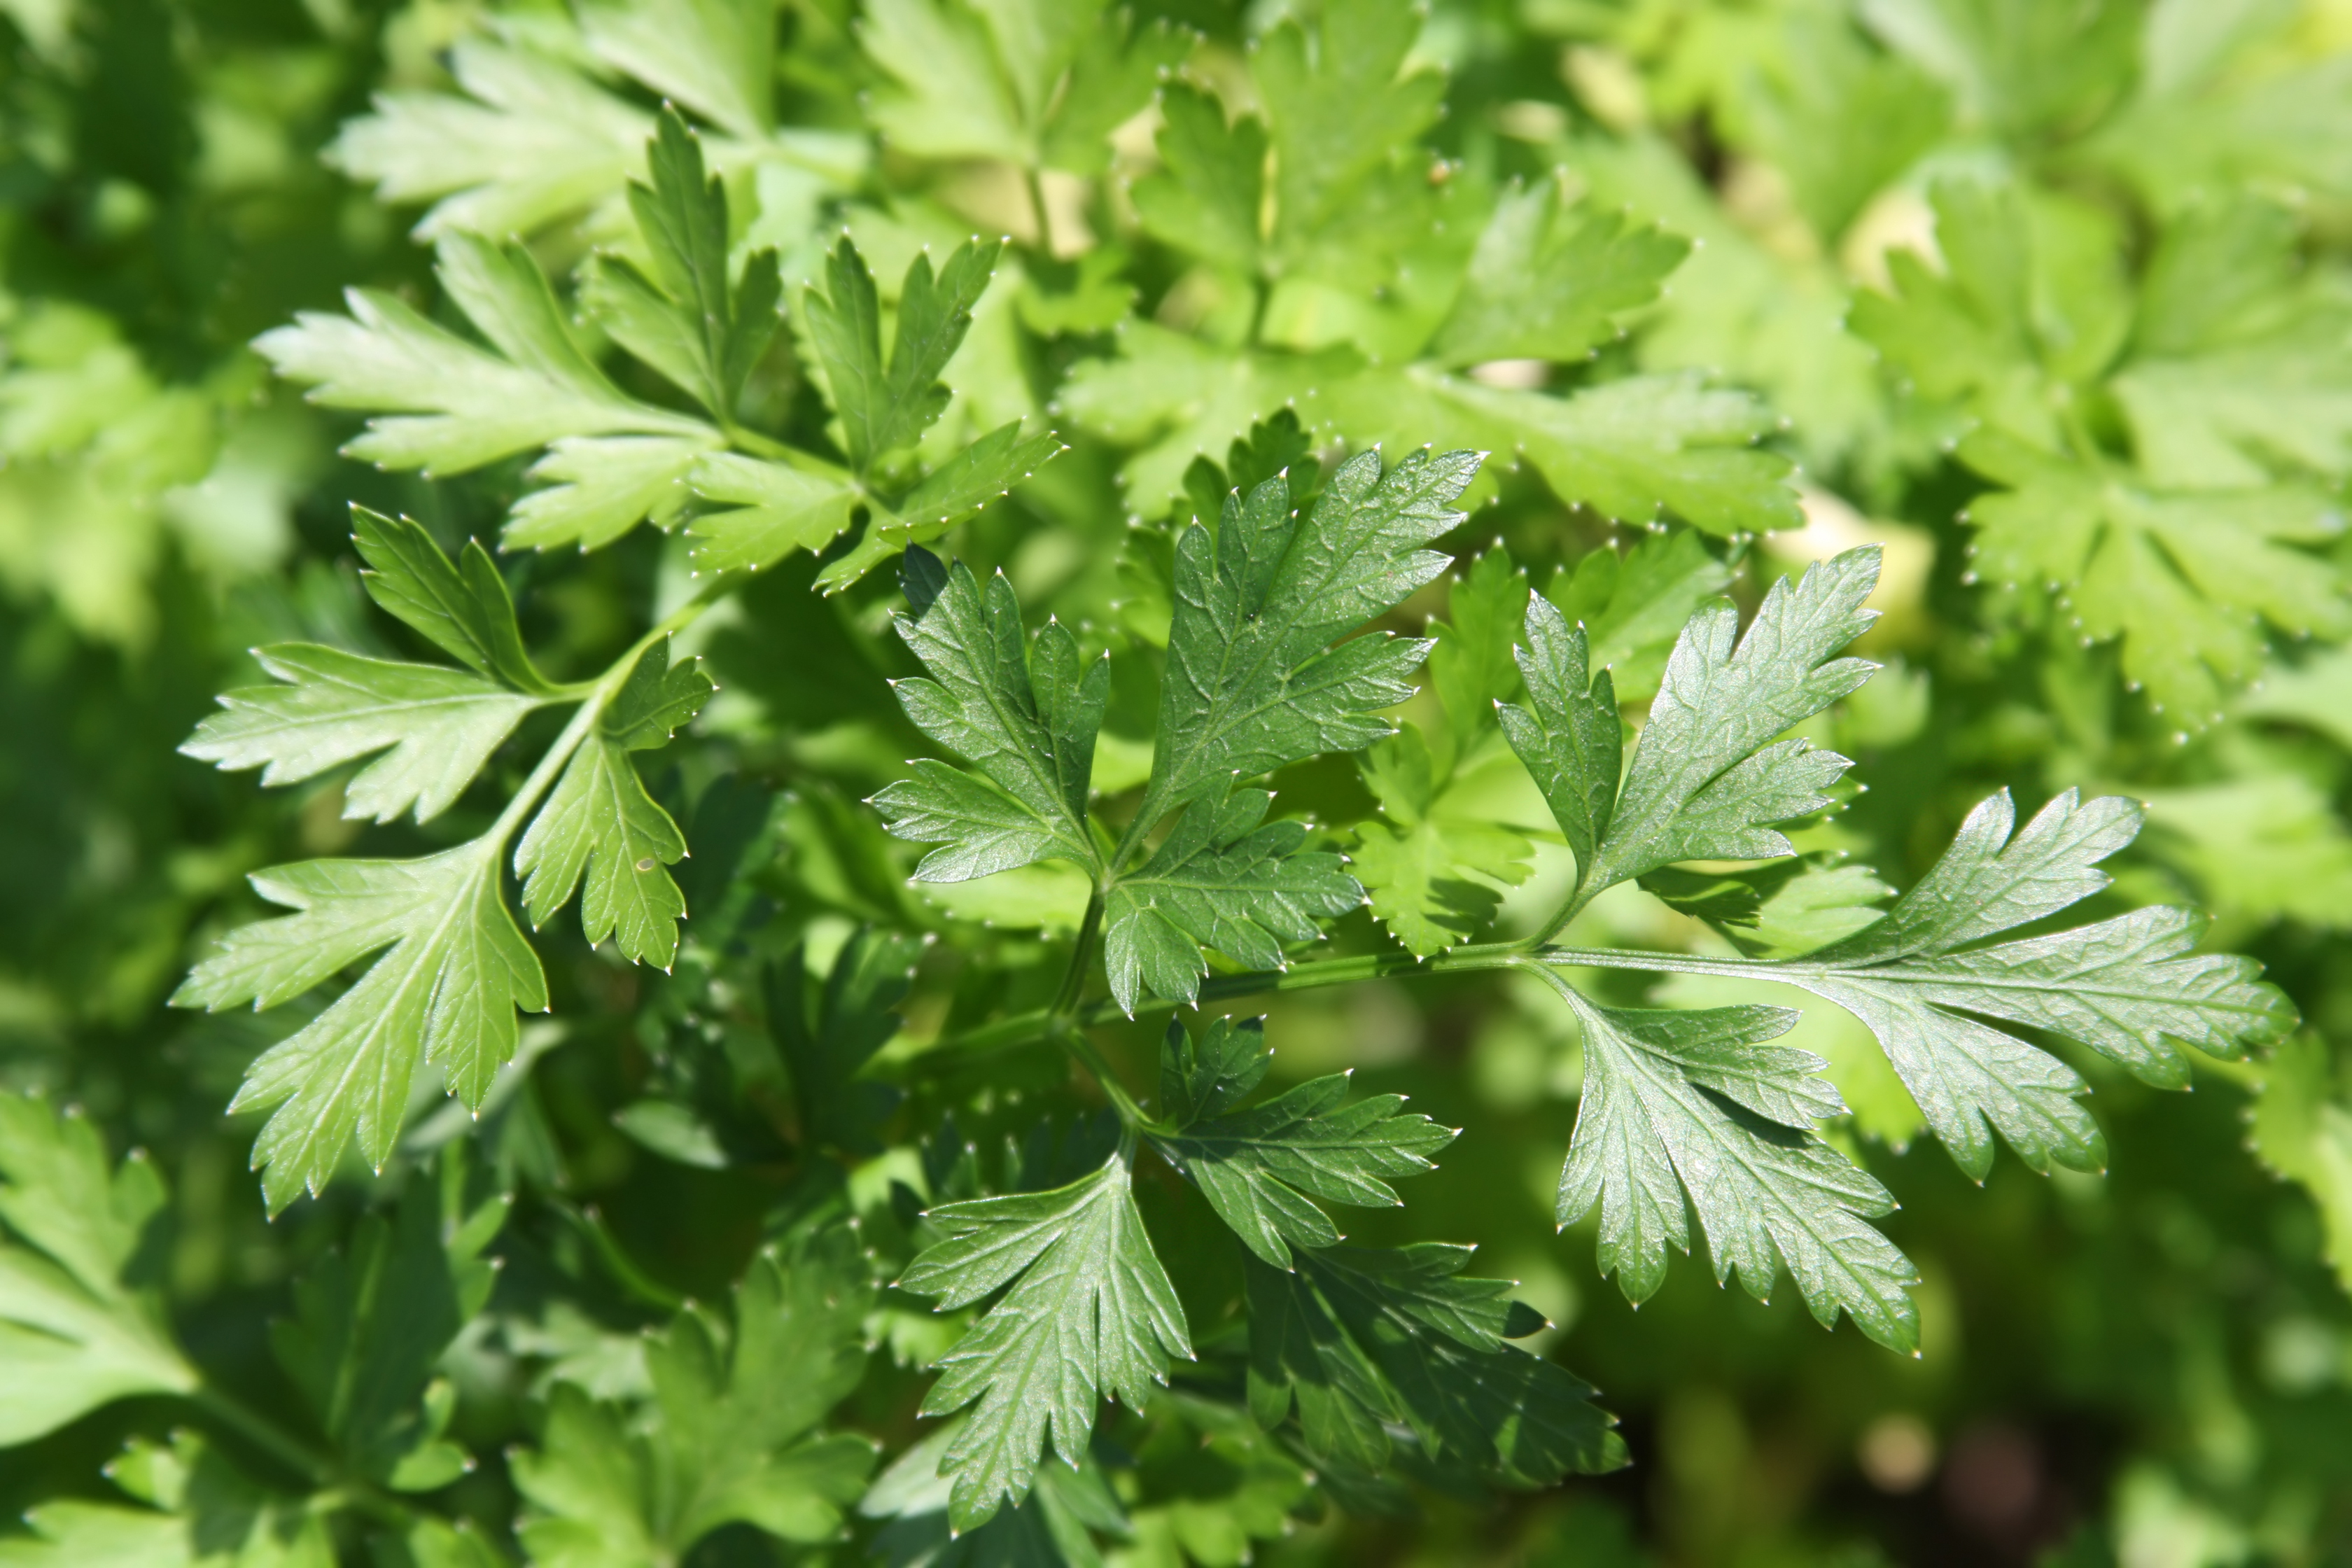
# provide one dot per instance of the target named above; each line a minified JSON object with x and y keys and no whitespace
{"x":2184,"y":579}
{"x":76,"y":1331}
{"x":1784,"y":909}
{"x":773,"y":508}
{"x":686,"y":320}
{"x":1090,"y":1312}
{"x":465,"y":610}
{"x":824,"y":1039}
{"x":1546,"y":284}
{"x":1704,"y":783}
{"x":1258,"y":1167}
{"x":883,"y":409}
{"x":1360,"y":1342}
{"x":444,"y":405}
{"x":370,"y":1322}
{"x":1634,"y":606}
{"x":433,"y":728}
{"x":1251,"y":683}
{"x":1801,"y":108}
{"x":1340,"y":105}
{"x":716,"y":57}
{"x":537,"y":142}
{"x":732,"y":1435}
{"x":1433,"y":867}
{"x":1569,"y":735}
{"x":1698,"y":1101}
{"x":1207,"y":195}
{"x":447,"y":991}
{"x":2303,"y":1131}
{"x":600,"y":823}
{"x":955,"y":490}
{"x":1471,"y":658}
{"x":1225,"y":880}
{"x":201,"y":1512}
{"x":2132,"y":988}
{"x":1029,"y":82}
{"x":603,"y":485}
{"x":1024,"y":712}
{"x":1629,"y":449}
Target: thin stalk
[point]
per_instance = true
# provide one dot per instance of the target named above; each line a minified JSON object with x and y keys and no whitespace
{"x":598,"y":696}
{"x":296,"y":1456}
{"x":1026,"y":1028}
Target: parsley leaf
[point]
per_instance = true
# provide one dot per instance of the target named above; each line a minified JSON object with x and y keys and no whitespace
{"x":686,"y":320}
{"x":1251,"y":683}
{"x":201,"y":1512}
{"x":1024,"y":712}
{"x":1226,"y":879}
{"x":1700,"y":1100}
{"x":76,"y":1331}
{"x":370,"y":1322}
{"x":1258,"y":1167}
{"x":1360,"y":1343}
{"x":1434,"y":865}
{"x":884,"y":407}
{"x":600,"y":822}
{"x":735,"y":1436}
{"x":1090,"y":1312}
{"x":2133,"y":988}
{"x":447,"y":991}
{"x":1703,"y":782}
{"x":429,"y":729}
{"x":448,"y":404}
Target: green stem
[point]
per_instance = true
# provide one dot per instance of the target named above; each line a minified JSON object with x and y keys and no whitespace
{"x":290,"y":1451}
{"x":1027,"y":1029}
{"x":598,"y":696}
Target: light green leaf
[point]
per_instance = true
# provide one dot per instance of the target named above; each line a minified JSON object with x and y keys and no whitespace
{"x":1258,"y":1167}
{"x":447,"y":991}
{"x":465,"y":610}
{"x":599,"y":821}
{"x":2272,"y":847}
{"x":200,"y":1513}
{"x":716,"y":57}
{"x":1699,"y":786}
{"x":1433,"y":867}
{"x":539,"y":142}
{"x":75,"y":1333}
{"x":1359,"y":1343}
{"x":1634,"y":606}
{"x":1223,"y":882}
{"x":599,"y":487}
{"x":1699,"y":1102}
{"x":1024,"y":713}
{"x":444,"y":405}
{"x":1207,"y":198}
{"x":2303,"y":1131}
{"x":1548,"y":284}
{"x":884,"y":408}
{"x":2132,"y":988}
{"x":773,"y":509}
{"x":1340,"y":106}
{"x":686,"y":320}
{"x":435,"y":728}
{"x":1090,"y":1312}
{"x":2180,"y":577}
{"x":955,"y":490}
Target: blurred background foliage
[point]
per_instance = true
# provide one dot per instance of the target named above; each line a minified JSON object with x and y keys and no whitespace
{"x":2152,"y":1368}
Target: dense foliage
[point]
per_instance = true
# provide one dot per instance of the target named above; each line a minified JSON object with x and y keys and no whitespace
{"x":803,"y":714}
